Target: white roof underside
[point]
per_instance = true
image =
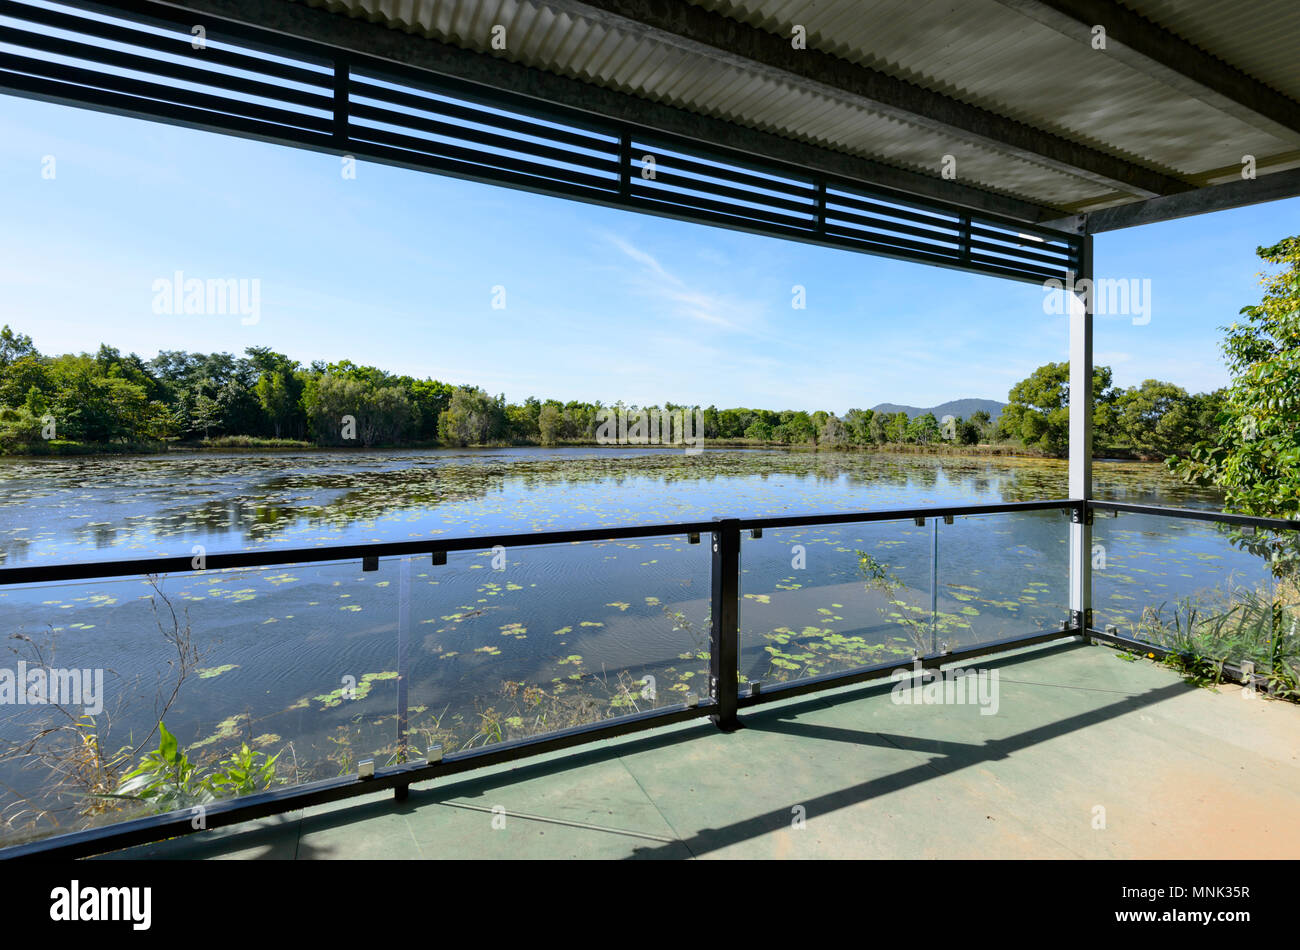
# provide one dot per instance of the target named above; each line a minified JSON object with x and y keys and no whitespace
{"x":980,"y":52}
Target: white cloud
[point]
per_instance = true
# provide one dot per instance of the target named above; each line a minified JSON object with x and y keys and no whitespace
{"x":701,"y":306}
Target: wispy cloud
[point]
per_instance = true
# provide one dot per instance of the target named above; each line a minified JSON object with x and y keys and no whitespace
{"x":703,"y":306}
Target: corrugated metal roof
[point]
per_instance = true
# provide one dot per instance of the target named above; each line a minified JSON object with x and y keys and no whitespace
{"x":979,"y":52}
{"x":1259,"y":38}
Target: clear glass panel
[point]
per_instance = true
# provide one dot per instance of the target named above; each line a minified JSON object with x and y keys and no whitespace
{"x":1200,"y":588}
{"x":1003,"y":575}
{"x":512,"y":643}
{"x":296,"y":662}
{"x":833,"y":598}
{"x":830,"y":598}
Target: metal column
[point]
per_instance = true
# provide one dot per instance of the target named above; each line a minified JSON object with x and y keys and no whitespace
{"x":1079,"y":299}
{"x":724,"y":656}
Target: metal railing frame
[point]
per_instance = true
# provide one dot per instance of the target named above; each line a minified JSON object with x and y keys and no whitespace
{"x":1113,"y":637}
{"x":721,"y":705}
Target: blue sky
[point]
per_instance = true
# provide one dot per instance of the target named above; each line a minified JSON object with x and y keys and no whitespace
{"x":397,"y":269}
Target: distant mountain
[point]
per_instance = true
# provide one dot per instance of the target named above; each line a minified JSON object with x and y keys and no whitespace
{"x":962,"y":408}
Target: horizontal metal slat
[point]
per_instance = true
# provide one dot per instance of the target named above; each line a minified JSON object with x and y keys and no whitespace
{"x":672,"y":180}
{"x":215,"y":104}
{"x":884,"y":224}
{"x":52,"y":90}
{"x":607,"y":164}
{"x":673,"y":159}
{"x":182,"y":43}
{"x":683,"y":199}
{"x":159,"y":67}
{"x":469,"y":158}
{"x":363,"y":88}
{"x":932,"y":219}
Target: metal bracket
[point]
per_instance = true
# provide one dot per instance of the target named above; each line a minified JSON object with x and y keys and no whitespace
{"x":1082,"y":514}
{"x":1081,"y":620}
{"x":370,"y":563}
{"x":439,"y":557}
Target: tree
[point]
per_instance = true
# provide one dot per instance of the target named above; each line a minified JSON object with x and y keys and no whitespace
{"x":834,"y":433}
{"x":858,"y":424}
{"x":18,"y":426}
{"x":279,"y":389}
{"x":795,"y":427}
{"x":472,"y":418}
{"x":1038,"y":408}
{"x":1255,"y":455}
{"x":379,"y":414}
{"x":968,"y":431}
{"x":14,"y":346}
{"x":924,"y":429}
{"x":876,"y":428}
{"x":276,"y":399}
{"x":896,"y":427}
{"x":1156,"y":419}
{"x":550,"y":423}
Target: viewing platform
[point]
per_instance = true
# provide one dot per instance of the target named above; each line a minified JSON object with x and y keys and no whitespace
{"x":1089,"y":756}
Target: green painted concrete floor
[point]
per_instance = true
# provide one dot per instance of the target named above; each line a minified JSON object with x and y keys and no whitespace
{"x":1087,"y":755}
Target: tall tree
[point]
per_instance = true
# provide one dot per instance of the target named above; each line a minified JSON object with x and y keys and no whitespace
{"x":1038,"y":408}
{"x":1255,"y":456}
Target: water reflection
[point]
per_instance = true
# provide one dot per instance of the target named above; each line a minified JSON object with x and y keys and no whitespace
{"x":77,"y":509}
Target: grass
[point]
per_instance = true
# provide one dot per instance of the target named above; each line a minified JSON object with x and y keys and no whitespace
{"x":1230,"y":630}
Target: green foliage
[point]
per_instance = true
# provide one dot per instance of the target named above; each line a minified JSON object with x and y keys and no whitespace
{"x":1156,"y":420}
{"x":168,"y":780}
{"x":165,"y":777}
{"x":349,"y":410}
{"x":1038,"y":408}
{"x":1239,"y":626}
{"x":472,"y":418}
{"x":1255,"y":454}
{"x":550,"y":423}
{"x":923,"y":430}
{"x":18,"y":427}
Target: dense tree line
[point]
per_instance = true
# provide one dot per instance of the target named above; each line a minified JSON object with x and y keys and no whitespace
{"x":1155,"y":420}
{"x":194,"y":397}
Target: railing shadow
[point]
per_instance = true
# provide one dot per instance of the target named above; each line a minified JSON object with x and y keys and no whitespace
{"x":284,"y":837}
{"x":953,"y":756}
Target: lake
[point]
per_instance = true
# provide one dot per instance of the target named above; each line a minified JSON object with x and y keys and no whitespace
{"x":303,"y":661}
{"x":80,"y":509}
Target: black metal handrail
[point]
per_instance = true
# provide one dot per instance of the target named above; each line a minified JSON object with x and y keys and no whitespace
{"x":94,"y":570}
{"x":1196,"y":514}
